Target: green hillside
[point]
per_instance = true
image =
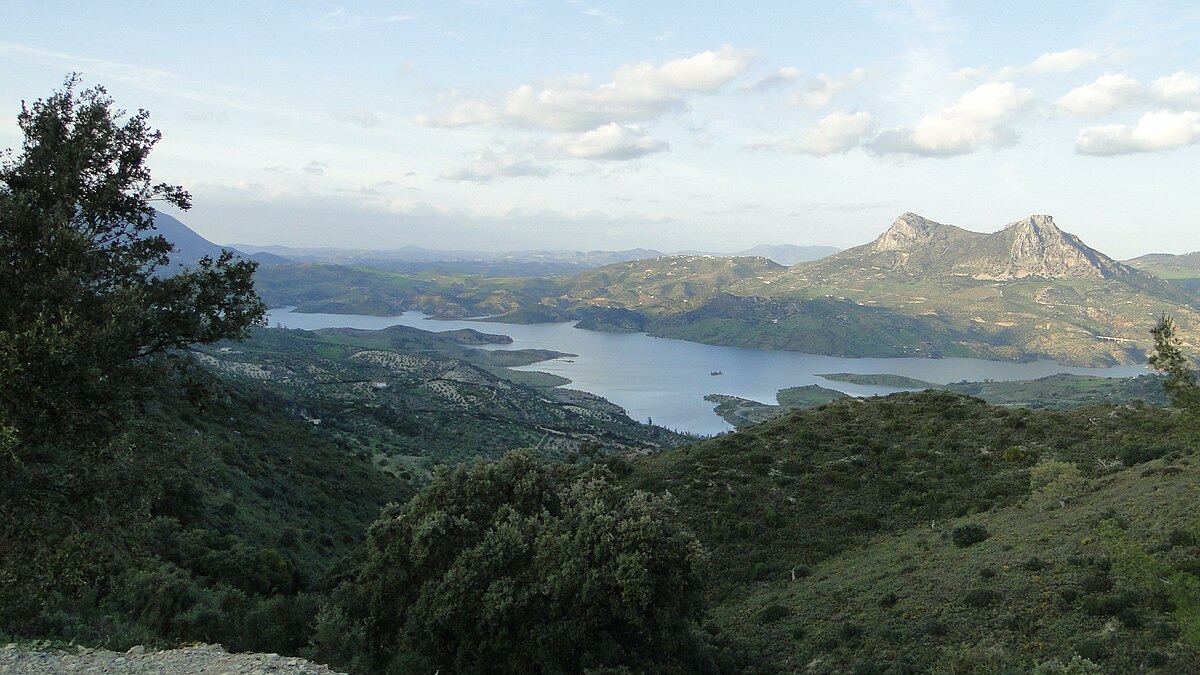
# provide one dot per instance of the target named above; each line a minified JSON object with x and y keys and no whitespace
{"x":248,"y":513}
{"x":172,"y":472}
{"x":832,"y":533}
{"x":412,"y":399}
{"x":1180,"y":270}
{"x":663,"y":285}
{"x":338,"y":289}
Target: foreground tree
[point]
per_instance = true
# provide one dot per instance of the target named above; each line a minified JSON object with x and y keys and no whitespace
{"x":85,"y":321}
{"x":1180,"y":382}
{"x":519,"y":566}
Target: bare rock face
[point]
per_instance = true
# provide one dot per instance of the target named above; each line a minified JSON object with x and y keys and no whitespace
{"x":908,"y":231}
{"x":1037,"y":248}
{"x":1031,"y":248}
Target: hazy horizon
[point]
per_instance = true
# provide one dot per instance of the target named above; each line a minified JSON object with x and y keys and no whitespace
{"x":498,"y":125}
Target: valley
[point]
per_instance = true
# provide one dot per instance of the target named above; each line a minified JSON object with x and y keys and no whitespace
{"x":666,"y":380}
{"x":599,"y":338}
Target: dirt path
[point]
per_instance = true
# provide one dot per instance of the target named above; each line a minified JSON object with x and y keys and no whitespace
{"x":201,"y":660}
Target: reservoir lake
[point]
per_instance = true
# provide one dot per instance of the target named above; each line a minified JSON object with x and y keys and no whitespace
{"x":665,"y":380}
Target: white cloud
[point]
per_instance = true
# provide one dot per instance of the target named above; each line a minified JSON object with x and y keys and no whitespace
{"x":981,"y":117}
{"x":1050,"y":63}
{"x":1063,"y":62}
{"x":609,"y":141}
{"x":458,"y":111}
{"x":835,"y":133}
{"x":817,"y":92}
{"x":598,"y":13}
{"x":1154,"y":131}
{"x":821,"y":89}
{"x":1103,"y":96}
{"x":780,"y":78}
{"x":637,"y":92}
{"x":1181,"y":88}
{"x":363,"y":118}
{"x":489,"y":166}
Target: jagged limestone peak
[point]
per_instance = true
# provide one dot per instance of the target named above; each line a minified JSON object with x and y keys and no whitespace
{"x":1039,"y":249}
{"x":1037,"y":223}
{"x":908,"y":230}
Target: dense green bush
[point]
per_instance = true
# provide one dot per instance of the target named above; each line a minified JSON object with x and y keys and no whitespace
{"x":520,"y":566}
{"x":968,"y":535}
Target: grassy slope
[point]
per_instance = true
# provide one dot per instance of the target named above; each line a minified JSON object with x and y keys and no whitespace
{"x":664,"y":285}
{"x":1042,"y":586}
{"x":1067,"y":319}
{"x":802,"y":492}
{"x":1180,"y":270}
{"x":271,"y":479}
{"x":255,"y":512}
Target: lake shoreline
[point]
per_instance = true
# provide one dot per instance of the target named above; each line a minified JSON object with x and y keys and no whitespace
{"x":666,"y":379}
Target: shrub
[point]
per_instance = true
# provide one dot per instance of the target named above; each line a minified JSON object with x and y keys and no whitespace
{"x":980,"y":597}
{"x":773,"y":613}
{"x":968,"y":535}
{"x":1055,"y":480}
{"x":521,"y":566}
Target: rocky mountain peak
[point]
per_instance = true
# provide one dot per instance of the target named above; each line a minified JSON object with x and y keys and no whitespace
{"x":1037,"y":248}
{"x":1036,"y":222}
{"x":908,"y":230}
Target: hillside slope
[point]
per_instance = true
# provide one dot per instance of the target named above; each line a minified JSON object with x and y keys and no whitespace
{"x":1180,"y":270}
{"x":832,"y":534}
{"x":412,"y":399}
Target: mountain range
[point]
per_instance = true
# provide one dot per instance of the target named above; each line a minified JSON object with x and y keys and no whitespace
{"x":1032,"y":247}
{"x":413,"y":258}
{"x":921,"y":288}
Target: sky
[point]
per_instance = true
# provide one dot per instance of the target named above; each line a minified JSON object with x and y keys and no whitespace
{"x":591,"y":124}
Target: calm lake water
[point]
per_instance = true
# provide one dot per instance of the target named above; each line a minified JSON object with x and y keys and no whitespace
{"x":666,"y":380}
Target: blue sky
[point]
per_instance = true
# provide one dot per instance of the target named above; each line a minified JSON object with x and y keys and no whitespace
{"x":582,"y":124}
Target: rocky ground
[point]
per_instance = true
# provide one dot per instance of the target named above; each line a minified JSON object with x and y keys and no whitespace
{"x":200,"y":659}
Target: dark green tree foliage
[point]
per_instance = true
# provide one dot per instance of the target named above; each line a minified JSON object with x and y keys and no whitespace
{"x":83,"y":300}
{"x":85,"y":322}
{"x":1180,"y":383}
{"x":519,"y":566}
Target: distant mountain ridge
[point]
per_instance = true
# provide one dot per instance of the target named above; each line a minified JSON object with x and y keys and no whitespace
{"x":190,"y":247}
{"x":1031,"y":247}
{"x":1179,"y":270}
{"x":921,"y":288}
{"x":788,"y":254}
{"x":567,"y":260}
